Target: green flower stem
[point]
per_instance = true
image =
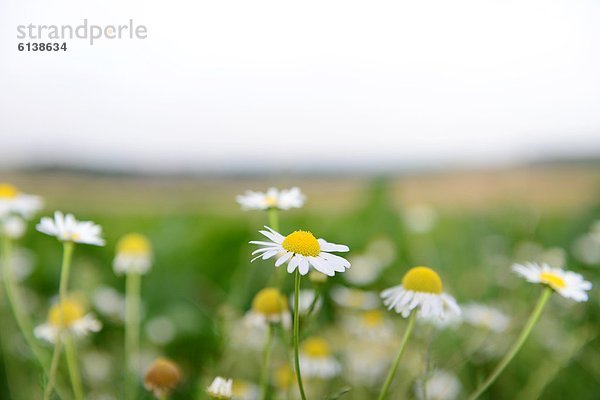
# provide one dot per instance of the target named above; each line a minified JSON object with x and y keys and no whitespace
{"x":17,"y":305}
{"x":264,"y":379}
{"x":273,"y":218}
{"x":65,"y":268}
{"x":296,"y":335}
{"x":394,"y":368}
{"x":132,"y":332}
{"x":71,"y":354}
{"x":53,"y":369}
{"x":533,"y":318}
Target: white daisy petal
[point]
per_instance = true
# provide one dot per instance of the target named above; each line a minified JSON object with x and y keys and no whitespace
{"x":68,"y":229}
{"x":302,"y":251}
{"x":566,"y":283}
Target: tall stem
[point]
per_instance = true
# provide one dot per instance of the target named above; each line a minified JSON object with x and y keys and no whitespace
{"x":62,"y":297}
{"x":274,"y":218}
{"x":394,"y":368}
{"x":71,"y":353}
{"x":264,"y":380}
{"x":53,"y":369}
{"x":533,"y":318}
{"x":65,"y":270}
{"x":132,"y":332}
{"x":296,"y":335}
{"x":16,"y":304}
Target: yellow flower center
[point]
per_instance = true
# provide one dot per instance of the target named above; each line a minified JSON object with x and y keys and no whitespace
{"x":422,"y":279}
{"x":284,"y":377}
{"x":316,"y":347}
{"x":134,"y":243}
{"x":269,"y":301}
{"x":372,"y":318}
{"x":71,"y":311}
{"x":302,"y":242}
{"x":552,"y":280}
{"x":8,"y":191}
{"x":271,"y":201}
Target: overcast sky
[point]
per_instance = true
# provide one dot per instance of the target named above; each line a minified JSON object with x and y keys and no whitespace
{"x":277,"y":84}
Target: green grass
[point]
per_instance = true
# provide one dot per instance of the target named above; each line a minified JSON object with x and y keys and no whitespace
{"x":202,"y":265}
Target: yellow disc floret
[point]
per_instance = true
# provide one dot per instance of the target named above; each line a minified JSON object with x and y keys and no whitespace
{"x":134,"y":243}
{"x":8,"y":191}
{"x":283,"y":377}
{"x":372,"y":318}
{"x":302,"y":242}
{"x":422,"y":279}
{"x":269,"y":302}
{"x":70,"y":312}
{"x":316,"y":347}
{"x":552,"y":280}
{"x":271,"y":201}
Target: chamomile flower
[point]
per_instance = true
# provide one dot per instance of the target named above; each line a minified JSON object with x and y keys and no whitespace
{"x":421,"y":290}
{"x":244,"y":390}
{"x":566,"y":283}
{"x":441,"y":385}
{"x":316,"y":359}
{"x":162,"y":377}
{"x":67,"y":229}
{"x":370,"y":325}
{"x":13,"y":202}
{"x":485,"y":317}
{"x":354,"y":298}
{"x":447,"y":321}
{"x":300,"y":249}
{"x":366,"y":364}
{"x":269,"y":306}
{"x":220,"y":389}
{"x":273,"y":198}
{"x":283,"y":377}
{"x":13,"y":226}
{"x":68,"y":317}
{"x":134,"y":254}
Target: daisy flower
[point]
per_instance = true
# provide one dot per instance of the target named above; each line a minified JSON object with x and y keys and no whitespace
{"x":284,"y":378}
{"x":220,"y":389}
{"x":14,"y":202}
{"x":566,"y":283}
{"x":273,"y":198}
{"x":162,"y":377}
{"x":300,"y":249}
{"x":269,"y":306}
{"x":70,"y":318}
{"x":134,"y":254}
{"x":354,"y":298}
{"x":67,"y":229}
{"x":316,"y":359}
{"x":485,"y":317}
{"x":441,"y":385}
{"x":13,"y":226}
{"x":421,"y":289}
{"x":370,"y":325}
{"x":365,"y":364}
{"x":244,"y":390}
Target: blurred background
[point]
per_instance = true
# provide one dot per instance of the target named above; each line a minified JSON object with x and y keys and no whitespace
{"x":462,"y":135}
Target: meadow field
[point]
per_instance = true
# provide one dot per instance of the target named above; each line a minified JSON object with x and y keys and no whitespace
{"x":470,"y":226}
